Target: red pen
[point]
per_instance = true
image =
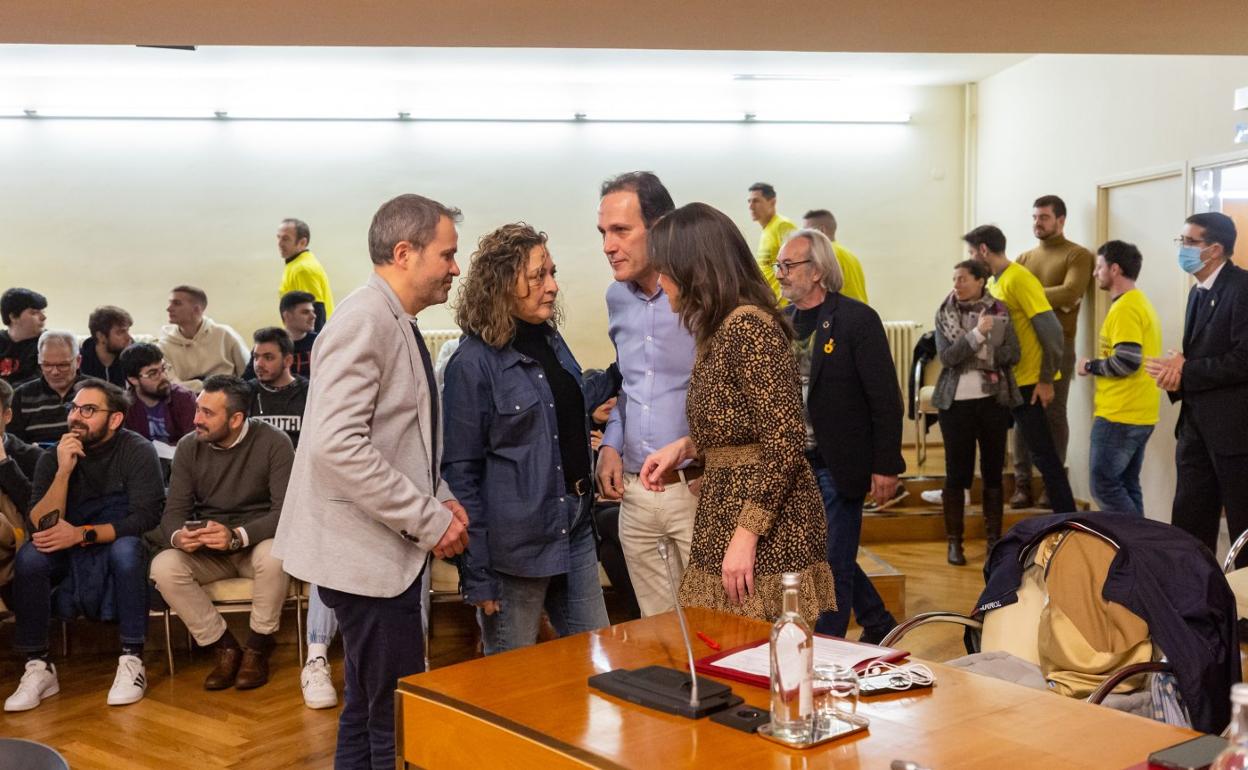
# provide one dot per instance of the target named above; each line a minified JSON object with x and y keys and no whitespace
{"x":714,"y":645}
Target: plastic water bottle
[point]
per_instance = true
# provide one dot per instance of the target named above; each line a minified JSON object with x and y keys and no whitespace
{"x":1235,"y":756}
{"x":792,"y":669}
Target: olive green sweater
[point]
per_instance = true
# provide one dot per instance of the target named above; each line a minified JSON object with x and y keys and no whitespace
{"x":241,"y":487}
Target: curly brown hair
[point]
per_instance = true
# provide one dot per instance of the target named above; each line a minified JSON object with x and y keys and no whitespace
{"x":487,"y":295}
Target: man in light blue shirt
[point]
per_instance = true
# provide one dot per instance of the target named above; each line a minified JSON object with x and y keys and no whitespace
{"x":655,"y":355}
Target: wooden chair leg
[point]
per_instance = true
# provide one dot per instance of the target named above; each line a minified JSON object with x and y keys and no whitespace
{"x":64,"y":639}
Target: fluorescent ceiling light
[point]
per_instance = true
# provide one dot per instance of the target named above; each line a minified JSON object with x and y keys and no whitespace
{"x":787,"y":78}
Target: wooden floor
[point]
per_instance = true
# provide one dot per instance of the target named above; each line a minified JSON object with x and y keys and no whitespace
{"x":178,"y":724}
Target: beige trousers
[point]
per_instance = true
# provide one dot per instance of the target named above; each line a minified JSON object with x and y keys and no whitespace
{"x":180,"y":577}
{"x":645,"y":518}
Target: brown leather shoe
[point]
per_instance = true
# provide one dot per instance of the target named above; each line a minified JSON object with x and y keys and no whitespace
{"x":225,"y":668}
{"x":254,"y":671}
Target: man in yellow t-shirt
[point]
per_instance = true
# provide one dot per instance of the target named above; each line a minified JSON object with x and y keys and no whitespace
{"x":1040,"y":342}
{"x":851,"y":269}
{"x":1127,"y":399}
{"x":303,"y":272}
{"x":762,"y":203}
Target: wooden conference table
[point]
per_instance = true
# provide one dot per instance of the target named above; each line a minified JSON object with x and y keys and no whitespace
{"x":532,"y":708}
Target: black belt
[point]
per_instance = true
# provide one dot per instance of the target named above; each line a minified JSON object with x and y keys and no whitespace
{"x":581,"y":487}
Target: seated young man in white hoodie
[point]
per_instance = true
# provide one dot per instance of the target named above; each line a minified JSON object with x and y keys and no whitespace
{"x":195,"y":346}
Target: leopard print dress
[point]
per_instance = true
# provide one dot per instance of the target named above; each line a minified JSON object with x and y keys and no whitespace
{"x":744,"y":406}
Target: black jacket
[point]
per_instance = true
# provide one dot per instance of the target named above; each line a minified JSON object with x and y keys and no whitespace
{"x":91,"y":366}
{"x":1165,"y":576}
{"x":854,"y":401}
{"x":1214,"y":388}
{"x":17,"y":470}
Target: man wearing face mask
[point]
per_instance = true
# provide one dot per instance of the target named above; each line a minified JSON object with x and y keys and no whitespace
{"x":1210,"y":378}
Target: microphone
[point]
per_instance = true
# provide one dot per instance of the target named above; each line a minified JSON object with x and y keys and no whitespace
{"x":664,"y":545}
{"x":667,"y":689}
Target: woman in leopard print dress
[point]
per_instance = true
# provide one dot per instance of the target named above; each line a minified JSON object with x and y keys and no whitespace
{"x":759,"y":512}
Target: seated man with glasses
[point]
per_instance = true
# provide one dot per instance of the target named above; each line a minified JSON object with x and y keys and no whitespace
{"x":161,"y":410}
{"x":95,"y":495}
{"x":39,"y":405}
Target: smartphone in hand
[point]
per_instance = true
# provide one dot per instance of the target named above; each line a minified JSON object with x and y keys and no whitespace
{"x":48,"y":521}
{"x":195,"y":524}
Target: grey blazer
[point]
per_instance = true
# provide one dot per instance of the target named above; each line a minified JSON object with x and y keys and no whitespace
{"x":364,"y":504}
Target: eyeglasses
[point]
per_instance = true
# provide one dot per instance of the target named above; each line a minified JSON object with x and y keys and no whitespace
{"x":152,"y":374}
{"x":1183,"y":240}
{"x":86,"y":410}
{"x":49,"y":366}
{"x":784,"y":268}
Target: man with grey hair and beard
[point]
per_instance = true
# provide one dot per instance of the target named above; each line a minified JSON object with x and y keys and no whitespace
{"x":853,"y":416}
{"x":365,"y":490}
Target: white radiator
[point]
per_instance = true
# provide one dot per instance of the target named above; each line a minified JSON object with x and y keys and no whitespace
{"x":436,"y":338}
{"x":902,"y":335}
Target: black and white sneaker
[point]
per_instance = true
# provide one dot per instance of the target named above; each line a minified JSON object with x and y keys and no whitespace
{"x":130,"y":682}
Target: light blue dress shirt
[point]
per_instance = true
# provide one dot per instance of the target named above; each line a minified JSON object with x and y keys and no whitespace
{"x":655,"y":354}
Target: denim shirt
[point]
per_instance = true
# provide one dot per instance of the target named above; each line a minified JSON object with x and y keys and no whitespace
{"x":503,"y":464}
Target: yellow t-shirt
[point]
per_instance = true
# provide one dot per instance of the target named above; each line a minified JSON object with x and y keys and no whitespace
{"x":855,"y":282}
{"x":769,"y":244}
{"x":1134,"y":399}
{"x":304,"y":273}
{"x":1024,"y":296}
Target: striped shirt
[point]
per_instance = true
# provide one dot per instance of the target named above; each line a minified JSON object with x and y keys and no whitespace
{"x":39,"y":412}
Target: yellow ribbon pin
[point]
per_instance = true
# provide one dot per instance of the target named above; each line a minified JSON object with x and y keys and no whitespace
{"x":829,"y":346}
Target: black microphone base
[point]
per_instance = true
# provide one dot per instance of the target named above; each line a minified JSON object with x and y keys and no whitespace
{"x":666,"y":690}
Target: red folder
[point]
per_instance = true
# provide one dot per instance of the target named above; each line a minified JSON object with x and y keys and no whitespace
{"x":708,"y":665}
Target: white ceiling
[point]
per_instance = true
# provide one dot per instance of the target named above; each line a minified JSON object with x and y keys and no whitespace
{"x":563,"y":65}
{"x":473,"y":83}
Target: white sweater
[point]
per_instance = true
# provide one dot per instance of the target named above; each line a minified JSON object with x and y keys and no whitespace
{"x":215,"y":349}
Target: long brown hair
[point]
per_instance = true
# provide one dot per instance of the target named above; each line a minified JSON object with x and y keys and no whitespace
{"x":487,"y":295}
{"x":700,"y":249}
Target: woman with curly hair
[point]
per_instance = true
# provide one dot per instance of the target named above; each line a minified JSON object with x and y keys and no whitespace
{"x":759,"y":513}
{"x":517,"y":447}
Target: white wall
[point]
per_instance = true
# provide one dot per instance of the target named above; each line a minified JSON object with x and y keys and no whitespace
{"x":95,"y":212}
{"x":1061,"y":124}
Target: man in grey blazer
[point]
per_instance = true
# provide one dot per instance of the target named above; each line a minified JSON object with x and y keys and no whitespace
{"x":366,"y":505}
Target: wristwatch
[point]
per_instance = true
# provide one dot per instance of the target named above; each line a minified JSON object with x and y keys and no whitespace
{"x":88,"y":535}
{"x":236,"y":542}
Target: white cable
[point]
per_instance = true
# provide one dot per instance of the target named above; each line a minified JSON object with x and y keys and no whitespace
{"x":901,"y":677}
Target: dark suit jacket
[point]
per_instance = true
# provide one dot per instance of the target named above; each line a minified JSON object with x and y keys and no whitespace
{"x":1214,"y":387}
{"x":854,"y":403}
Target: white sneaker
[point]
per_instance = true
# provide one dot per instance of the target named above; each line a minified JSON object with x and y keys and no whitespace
{"x":936,"y":496}
{"x":37,"y":683}
{"x":318,"y":688}
{"x":130,"y":682}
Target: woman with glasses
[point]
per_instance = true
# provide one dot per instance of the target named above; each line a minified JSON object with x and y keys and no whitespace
{"x":517,"y":453}
{"x":759,"y":512}
{"x":975,"y":391}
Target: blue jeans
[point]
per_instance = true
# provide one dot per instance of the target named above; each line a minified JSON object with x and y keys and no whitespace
{"x":322,"y":623}
{"x":36,"y":574}
{"x":1115,"y":458}
{"x":853,"y":587}
{"x":572,"y":600}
